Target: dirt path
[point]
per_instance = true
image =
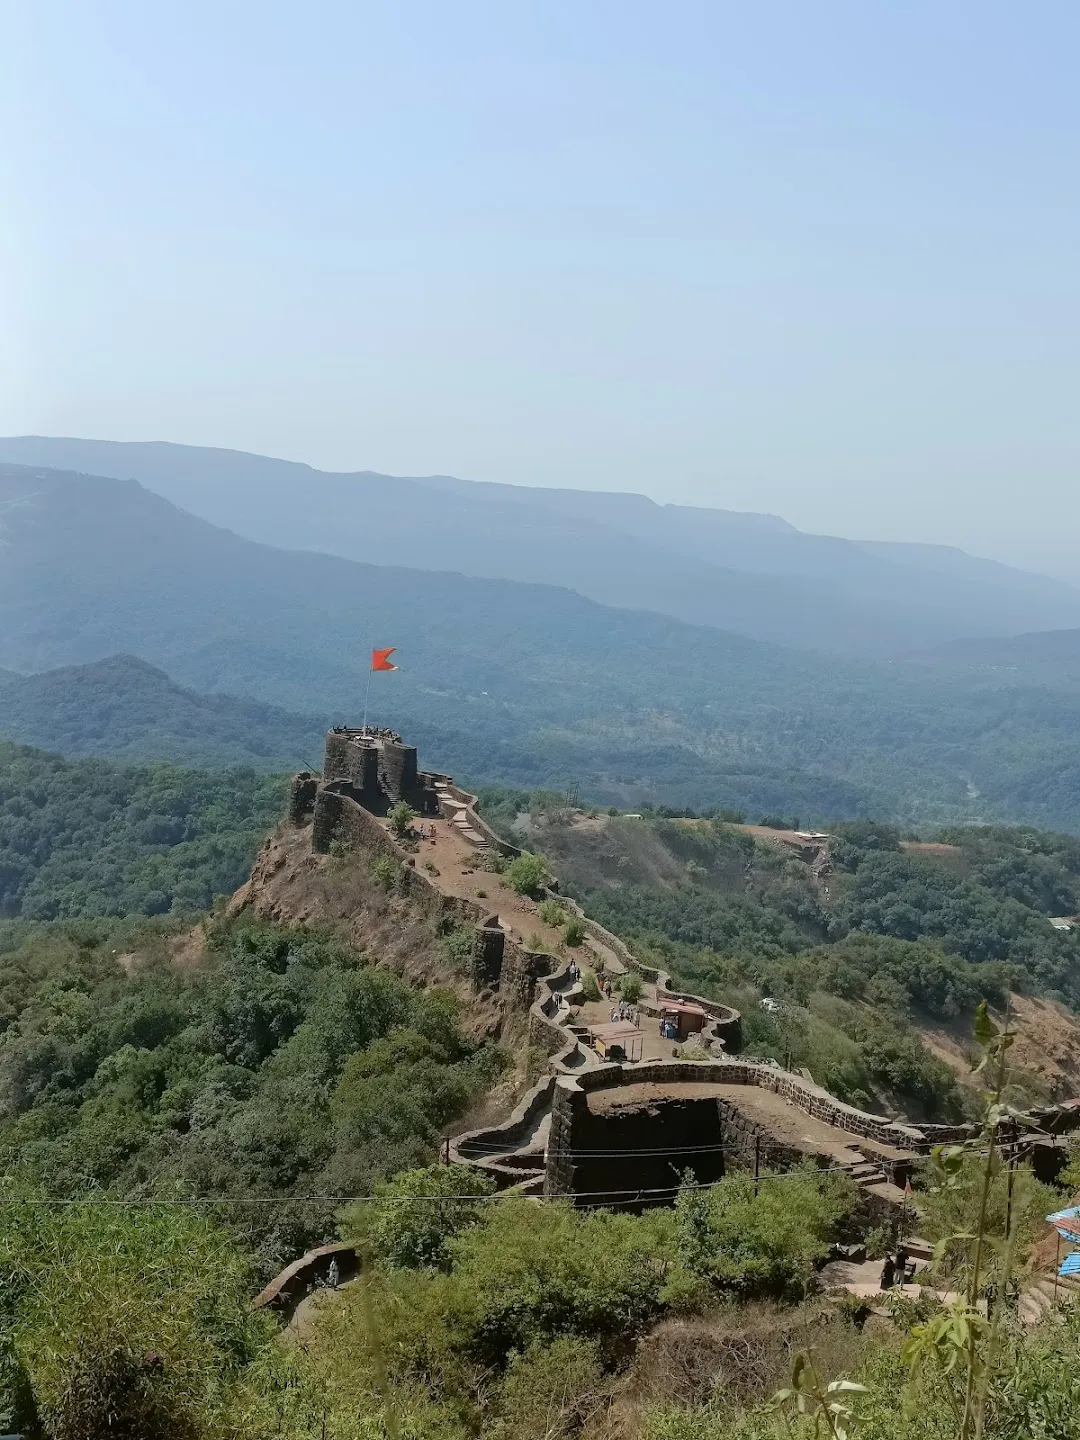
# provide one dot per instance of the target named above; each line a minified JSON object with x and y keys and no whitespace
{"x":459,"y":871}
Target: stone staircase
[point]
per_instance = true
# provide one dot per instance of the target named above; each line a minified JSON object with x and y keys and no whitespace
{"x":865,"y":1172}
{"x":1041,"y":1293}
{"x":870,"y":1175}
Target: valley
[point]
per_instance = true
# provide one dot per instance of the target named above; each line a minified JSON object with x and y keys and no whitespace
{"x":755,"y":575}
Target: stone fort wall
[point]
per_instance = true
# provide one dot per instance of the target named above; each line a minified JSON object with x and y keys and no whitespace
{"x":528,"y":981}
{"x":577,"y":1134}
{"x":342,"y":805}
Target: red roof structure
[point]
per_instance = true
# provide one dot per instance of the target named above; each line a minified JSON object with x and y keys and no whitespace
{"x":688,"y":1019}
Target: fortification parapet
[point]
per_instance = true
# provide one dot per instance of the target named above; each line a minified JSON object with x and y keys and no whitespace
{"x":381,"y":768}
{"x":303,"y":789}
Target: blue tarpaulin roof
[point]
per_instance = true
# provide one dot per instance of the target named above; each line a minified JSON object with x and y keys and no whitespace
{"x":1071,"y":1264}
{"x":1067,"y":1223}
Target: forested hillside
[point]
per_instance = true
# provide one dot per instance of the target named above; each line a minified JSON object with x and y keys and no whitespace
{"x":185,"y":1109}
{"x":272,"y":1062}
{"x":524,"y":684}
{"x":250,"y":1085}
{"x":124,"y":709}
{"x":90,"y":837}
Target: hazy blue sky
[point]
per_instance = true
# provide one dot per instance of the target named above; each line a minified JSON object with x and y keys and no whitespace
{"x":816,"y":257}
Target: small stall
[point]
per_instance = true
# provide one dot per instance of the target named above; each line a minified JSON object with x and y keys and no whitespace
{"x":679,"y":1020}
{"x":619,"y":1040}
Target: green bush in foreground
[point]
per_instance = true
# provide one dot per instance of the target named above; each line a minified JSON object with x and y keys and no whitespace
{"x":124,"y":1323}
{"x":408,"y":1234}
{"x":760,"y":1239}
{"x":281,"y":1065}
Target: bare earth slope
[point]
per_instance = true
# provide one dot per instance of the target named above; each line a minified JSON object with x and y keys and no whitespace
{"x":291,"y":885}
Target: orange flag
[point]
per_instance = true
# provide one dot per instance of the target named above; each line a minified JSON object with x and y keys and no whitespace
{"x":380,"y":659}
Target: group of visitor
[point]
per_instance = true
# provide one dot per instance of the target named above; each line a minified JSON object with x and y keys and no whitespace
{"x":898,"y":1269}
{"x":624,"y":1011}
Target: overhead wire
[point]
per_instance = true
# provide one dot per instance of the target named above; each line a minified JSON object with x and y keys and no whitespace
{"x":766,"y":1176}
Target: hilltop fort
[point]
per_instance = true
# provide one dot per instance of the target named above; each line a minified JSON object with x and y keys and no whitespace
{"x":617,"y":1100}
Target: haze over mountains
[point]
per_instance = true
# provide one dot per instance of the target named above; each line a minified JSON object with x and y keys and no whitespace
{"x":500,"y":680}
{"x":751,"y":574}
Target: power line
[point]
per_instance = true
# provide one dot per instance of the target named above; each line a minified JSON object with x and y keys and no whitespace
{"x":502,"y":1195}
{"x":475,"y":1150}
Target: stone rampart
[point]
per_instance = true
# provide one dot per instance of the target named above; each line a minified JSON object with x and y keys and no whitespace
{"x":487,"y":1148}
{"x":750,"y":1145}
{"x":574,"y":1129}
{"x":489,"y":943}
{"x":303,"y":789}
{"x":397,"y":770}
{"x":726,"y":1023}
{"x":317,"y":1267}
{"x":339,"y":816}
{"x":521,"y":970}
{"x":445,"y":786}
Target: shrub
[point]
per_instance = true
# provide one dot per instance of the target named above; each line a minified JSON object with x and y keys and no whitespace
{"x":574,"y":933}
{"x":458,"y":947}
{"x":410,"y":1235}
{"x":535,"y":942}
{"x":951,"y":1199}
{"x":765,"y":1243}
{"x":401,"y":817}
{"x":630,"y":986}
{"x":534,"y":1271}
{"x":527,"y":874}
{"x":551,"y":912}
{"x":125,"y":1322}
{"x":550,"y":1390}
{"x":590,"y":990}
{"x":385,"y":871}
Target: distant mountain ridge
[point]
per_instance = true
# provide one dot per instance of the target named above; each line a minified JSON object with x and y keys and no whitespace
{"x":508,"y":682}
{"x":1056,"y":652}
{"x":754,"y":575}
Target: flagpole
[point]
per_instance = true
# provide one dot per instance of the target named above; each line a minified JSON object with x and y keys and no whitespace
{"x":367,"y":696}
